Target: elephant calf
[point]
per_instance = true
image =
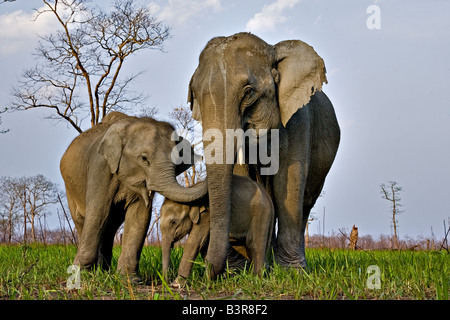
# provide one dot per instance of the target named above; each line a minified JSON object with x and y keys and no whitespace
{"x":252,"y":218}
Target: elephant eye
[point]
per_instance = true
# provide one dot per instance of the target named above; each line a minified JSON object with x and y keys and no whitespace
{"x":248,"y":93}
{"x":144,"y":159}
{"x":249,"y":96}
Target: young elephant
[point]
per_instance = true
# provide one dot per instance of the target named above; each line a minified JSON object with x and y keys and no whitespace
{"x":111,"y":172}
{"x":252,"y":217}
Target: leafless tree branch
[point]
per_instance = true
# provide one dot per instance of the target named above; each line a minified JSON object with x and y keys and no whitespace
{"x":79,"y":66}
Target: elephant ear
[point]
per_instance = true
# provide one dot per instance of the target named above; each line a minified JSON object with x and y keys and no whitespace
{"x":195,"y":107}
{"x":302,"y":72}
{"x":194,"y":214}
{"x":112,"y":144}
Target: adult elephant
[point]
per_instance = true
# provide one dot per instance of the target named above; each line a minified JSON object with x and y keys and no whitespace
{"x":111,"y":172}
{"x":242,"y":82}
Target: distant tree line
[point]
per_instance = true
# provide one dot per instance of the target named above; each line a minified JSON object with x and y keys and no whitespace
{"x":338,"y":240}
{"x":25,"y":204}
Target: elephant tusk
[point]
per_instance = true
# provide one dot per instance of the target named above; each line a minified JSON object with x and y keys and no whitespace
{"x":145,"y":197}
{"x":240,"y":157}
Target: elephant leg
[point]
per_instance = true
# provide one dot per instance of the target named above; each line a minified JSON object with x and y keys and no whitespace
{"x":77,"y":215}
{"x":137,"y":220}
{"x":117,"y":217}
{"x":197,"y":239}
{"x":100,"y":191}
{"x":79,"y":228}
{"x":91,"y":236}
{"x":258,"y":239}
{"x":290,"y":247}
{"x":258,"y":254}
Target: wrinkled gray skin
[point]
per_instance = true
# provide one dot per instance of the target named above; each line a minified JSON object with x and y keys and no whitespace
{"x":243,"y":82}
{"x":111,"y":173}
{"x":252,"y":216}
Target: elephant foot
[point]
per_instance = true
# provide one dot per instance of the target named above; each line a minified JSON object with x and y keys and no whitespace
{"x":179,"y":282}
{"x":130,"y":274}
{"x":127,"y":267}
{"x":213,"y":270}
{"x":296,"y":260}
{"x":85,"y":262}
{"x":133,"y":278}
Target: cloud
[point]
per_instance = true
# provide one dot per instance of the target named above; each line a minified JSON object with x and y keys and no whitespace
{"x":19,"y":30}
{"x":333,"y":72}
{"x":270,"y":16}
{"x":318,"y":20}
{"x":179,"y":12}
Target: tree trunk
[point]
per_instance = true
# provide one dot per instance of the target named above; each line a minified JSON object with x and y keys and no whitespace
{"x":194,"y":173}
{"x":394,"y":211}
{"x":186,"y":179}
{"x":10,"y":226}
{"x":353,"y":238}
{"x":33,"y":234}
{"x":24,"y":217}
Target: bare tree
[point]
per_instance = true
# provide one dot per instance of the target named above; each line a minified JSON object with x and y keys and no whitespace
{"x":78,"y":67}
{"x":9,"y":209}
{"x":3,"y":130}
{"x":444,"y":244}
{"x":62,"y":222}
{"x":185,"y":124}
{"x":310,"y":219}
{"x":30,"y":195}
{"x":391,"y":193}
{"x":40,"y":193}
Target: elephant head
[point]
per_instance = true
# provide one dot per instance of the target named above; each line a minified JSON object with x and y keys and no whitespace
{"x":242,"y":82}
{"x":177,"y":220}
{"x":140,"y":153}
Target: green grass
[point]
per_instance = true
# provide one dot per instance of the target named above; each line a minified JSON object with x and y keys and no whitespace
{"x":40,"y":272}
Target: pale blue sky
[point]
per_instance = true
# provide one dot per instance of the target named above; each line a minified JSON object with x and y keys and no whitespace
{"x":390,"y":88}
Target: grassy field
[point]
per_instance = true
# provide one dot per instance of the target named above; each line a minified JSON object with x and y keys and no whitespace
{"x":40,"y":272}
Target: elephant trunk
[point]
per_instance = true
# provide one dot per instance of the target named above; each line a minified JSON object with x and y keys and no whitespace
{"x":218,"y":114}
{"x":174,"y":191}
{"x":219,"y":206}
{"x":166,"y":247}
{"x":219,"y":190}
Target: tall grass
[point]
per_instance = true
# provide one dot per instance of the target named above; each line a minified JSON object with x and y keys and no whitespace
{"x":39,"y":272}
